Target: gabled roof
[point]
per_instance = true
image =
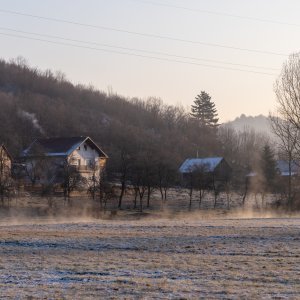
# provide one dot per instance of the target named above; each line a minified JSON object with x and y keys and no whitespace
{"x":5,"y":149}
{"x":209,"y":163}
{"x":60,"y":146}
{"x":283,"y":167}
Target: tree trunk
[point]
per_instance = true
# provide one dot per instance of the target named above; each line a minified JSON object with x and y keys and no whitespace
{"x":246,"y":191}
{"x":101,"y":199}
{"x":215,"y":192}
{"x":135,"y":198}
{"x":263,"y":200}
{"x":201,"y":194}
{"x":2,"y":197}
{"x":166,"y":194}
{"x":141,"y":203}
{"x":123,"y":187}
{"x":228,"y":200}
{"x":290,"y":200}
{"x":215,"y":200}
{"x":191,"y":196}
{"x":148,"y":196}
{"x":161,"y":193}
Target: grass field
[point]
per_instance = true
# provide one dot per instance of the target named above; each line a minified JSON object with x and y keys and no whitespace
{"x":186,"y":258}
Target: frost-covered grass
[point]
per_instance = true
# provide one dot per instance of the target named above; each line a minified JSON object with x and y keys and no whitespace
{"x":153,"y":259}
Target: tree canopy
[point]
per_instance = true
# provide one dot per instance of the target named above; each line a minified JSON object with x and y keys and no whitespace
{"x":204,"y":111}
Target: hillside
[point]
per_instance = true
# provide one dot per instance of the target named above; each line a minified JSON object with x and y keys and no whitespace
{"x":38,"y":103}
{"x":258,"y":123}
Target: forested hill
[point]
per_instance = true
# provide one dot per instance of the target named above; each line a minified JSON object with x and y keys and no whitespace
{"x":38,"y":103}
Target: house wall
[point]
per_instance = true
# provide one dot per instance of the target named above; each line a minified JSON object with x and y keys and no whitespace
{"x":223,"y":171}
{"x":84,"y":156}
{"x":5,"y":161}
{"x":88,"y":161}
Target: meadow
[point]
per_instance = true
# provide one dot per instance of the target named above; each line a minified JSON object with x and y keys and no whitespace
{"x":187,"y":257}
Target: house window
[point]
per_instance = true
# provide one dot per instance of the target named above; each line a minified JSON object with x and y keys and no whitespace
{"x":78,"y":148}
{"x":79,"y":162}
{"x":85,"y":147}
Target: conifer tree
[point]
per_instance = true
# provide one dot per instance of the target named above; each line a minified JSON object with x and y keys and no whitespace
{"x":204,"y":111}
{"x":268,"y":165}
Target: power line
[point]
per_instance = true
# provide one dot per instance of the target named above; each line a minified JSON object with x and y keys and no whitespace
{"x":137,"y":50}
{"x":149,"y":35}
{"x":217,"y":13}
{"x":136,"y":55}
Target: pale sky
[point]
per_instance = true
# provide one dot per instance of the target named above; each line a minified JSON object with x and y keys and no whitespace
{"x":234,"y":92}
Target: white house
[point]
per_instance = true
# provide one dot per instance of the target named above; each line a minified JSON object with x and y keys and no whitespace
{"x":5,"y":161}
{"x":45,"y":157}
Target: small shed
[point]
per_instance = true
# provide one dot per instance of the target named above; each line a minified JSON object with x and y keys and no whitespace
{"x":213,"y":167}
{"x":283,"y":169}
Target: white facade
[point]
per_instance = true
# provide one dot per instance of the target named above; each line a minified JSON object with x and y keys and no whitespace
{"x":84,"y":155}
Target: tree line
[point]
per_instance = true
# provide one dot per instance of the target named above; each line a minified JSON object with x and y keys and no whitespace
{"x":146,"y":140}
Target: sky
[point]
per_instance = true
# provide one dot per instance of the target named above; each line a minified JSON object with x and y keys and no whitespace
{"x":168,"y":49}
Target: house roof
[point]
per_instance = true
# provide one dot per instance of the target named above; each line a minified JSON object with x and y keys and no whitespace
{"x":60,"y":146}
{"x":190,"y":164}
{"x":252,"y":174}
{"x":283,"y":167}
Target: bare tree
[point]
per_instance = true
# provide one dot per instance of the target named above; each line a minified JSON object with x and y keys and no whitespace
{"x":287,"y":89}
{"x":200,"y":179}
{"x":287,"y":139}
{"x":216,"y":189}
{"x":98,"y":186}
{"x":150,"y":178}
{"x":191,"y":182}
{"x":70,"y":177}
{"x":35,"y":165}
{"x":139,"y":182}
{"x":286,"y":125}
{"x":125,"y":165}
{"x":166,"y":176}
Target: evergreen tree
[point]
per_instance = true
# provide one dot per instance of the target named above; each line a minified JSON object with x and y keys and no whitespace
{"x":204,"y":111}
{"x":268,"y":165}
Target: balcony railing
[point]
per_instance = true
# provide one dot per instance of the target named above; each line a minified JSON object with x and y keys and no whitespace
{"x":85,"y":168}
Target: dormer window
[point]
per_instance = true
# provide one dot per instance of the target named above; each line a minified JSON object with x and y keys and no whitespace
{"x":85,"y":147}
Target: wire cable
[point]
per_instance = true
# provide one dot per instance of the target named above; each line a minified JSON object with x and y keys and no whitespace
{"x":136,"y":55}
{"x":137,"y":50}
{"x":216,"y":13}
{"x":149,"y":35}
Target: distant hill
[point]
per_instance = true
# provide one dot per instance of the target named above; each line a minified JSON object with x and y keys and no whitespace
{"x":258,"y":123}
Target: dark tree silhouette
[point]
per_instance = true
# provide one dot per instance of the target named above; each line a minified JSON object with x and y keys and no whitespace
{"x":268,"y":166}
{"x":204,"y":111}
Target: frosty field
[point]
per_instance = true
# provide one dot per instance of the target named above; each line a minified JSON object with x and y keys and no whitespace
{"x":152,"y":259}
